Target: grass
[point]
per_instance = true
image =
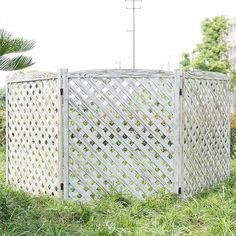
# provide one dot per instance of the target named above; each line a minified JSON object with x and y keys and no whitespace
{"x":209,"y":213}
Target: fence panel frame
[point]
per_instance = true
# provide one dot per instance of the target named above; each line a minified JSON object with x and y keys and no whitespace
{"x":123,"y":74}
{"x":205,"y":76}
{"x":33,"y":77}
{"x":178,"y":132}
{"x":7,"y":127}
{"x":63,"y":74}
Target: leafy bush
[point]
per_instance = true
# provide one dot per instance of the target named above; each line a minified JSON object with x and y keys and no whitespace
{"x":2,"y":126}
{"x":2,"y":98}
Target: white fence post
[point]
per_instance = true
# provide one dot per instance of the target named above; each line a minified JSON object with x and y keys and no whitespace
{"x":63,"y":75}
{"x":7,"y":140}
{"x":178,"y":133}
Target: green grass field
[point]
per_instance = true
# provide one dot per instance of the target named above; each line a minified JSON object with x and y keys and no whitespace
{"x":211,"y":213}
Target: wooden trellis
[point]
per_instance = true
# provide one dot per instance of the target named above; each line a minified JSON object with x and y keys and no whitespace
{"x":205,"y":130}
{"x":137,"y":131}
{"x":34,"y":141}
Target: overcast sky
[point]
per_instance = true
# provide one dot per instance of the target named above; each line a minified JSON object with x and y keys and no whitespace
{"x":91,"y":34}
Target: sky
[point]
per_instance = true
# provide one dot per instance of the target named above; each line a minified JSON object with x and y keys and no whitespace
{"x":91,"y":34}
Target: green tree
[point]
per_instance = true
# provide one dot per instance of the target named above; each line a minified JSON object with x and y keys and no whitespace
{"x":9,"y":45}
{"x":212,"y":53}
{"x":185,"y":61}
{"x":233,"y":80}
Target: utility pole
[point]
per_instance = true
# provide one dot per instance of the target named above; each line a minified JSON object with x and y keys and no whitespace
{"x":133,"y":8}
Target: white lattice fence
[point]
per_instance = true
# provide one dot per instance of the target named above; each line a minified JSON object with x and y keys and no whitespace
{"x":135,"y":131}
{"x":120,"y":132}
{"x":33,"y":133}
{"x":206,"y":130}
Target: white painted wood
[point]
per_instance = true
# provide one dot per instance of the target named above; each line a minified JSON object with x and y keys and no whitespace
{"x":206,"y":75}
{"x":178,"y":160}
{"x":30,"y":76}
{"x":64,"y":77}
{"x":124,"y":73}
{"x":122,"y":130}
{"x":97,"y":99}
{"x":33,"y":135}
{"x":206,"y":137}
{"x":7,"y":136}
{"x":61,"y":74}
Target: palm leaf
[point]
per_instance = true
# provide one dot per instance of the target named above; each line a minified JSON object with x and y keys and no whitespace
{"x":8,"y":44}
{"x":16,"y":63}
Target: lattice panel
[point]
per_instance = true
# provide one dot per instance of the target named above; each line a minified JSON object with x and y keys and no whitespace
{"x":120,"y":134}
{"x":206,"y":143}
{"x":33,"y":142}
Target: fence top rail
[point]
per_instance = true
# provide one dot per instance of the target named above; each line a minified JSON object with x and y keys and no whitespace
{"x":115,"y":73}
{"x":205,"y":75}
{"x":30,"y":76}
{"x":120,"y":73}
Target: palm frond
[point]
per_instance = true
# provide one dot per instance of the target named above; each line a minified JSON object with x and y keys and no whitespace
{"x":8,"y":44}
{"x":16,"y":63}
